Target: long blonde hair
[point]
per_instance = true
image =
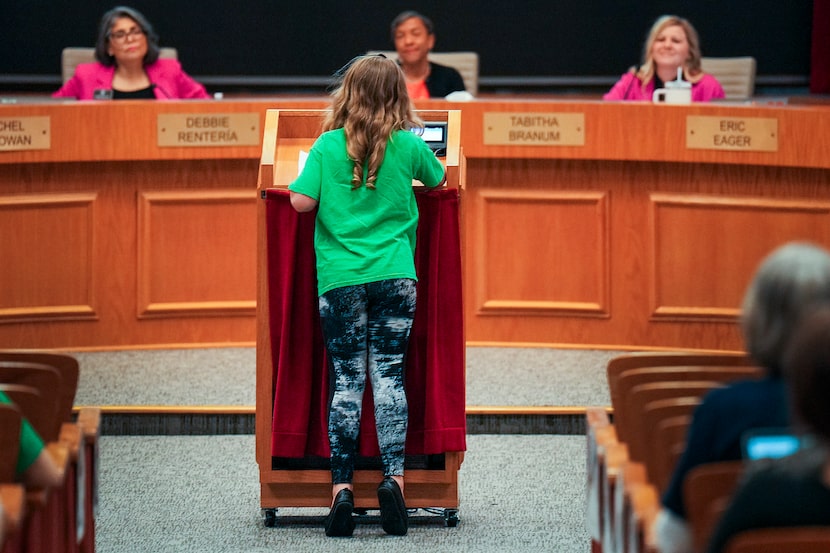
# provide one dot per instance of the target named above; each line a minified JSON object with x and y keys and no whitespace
{"x":691,"y":68}
{"x":370,"y":104}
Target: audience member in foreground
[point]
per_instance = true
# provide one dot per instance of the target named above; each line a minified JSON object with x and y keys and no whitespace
{"x":35,"y":468}
{"x":794,"y":490}
{"x":359,"y":175}
{"x":790,"y":281}
{"x":128,"y":65}
{"x":672,"y":44}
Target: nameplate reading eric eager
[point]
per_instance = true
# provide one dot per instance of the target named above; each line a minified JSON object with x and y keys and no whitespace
{"x":25,"y":133}
{"x":749,"y":134}
{"x":534,"y":129}
{"x":208,"y":129}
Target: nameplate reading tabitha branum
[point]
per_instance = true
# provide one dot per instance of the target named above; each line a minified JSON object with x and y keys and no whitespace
{"x":25,"y":133}
{"x":208,"y":129}
{"x":749,"y":134}
{"x":534,"y":129}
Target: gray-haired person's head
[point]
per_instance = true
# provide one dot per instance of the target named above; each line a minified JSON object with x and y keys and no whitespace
{"x":789,"y":282}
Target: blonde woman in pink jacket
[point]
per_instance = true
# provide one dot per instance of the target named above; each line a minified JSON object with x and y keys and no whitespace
{"x":128,"y":65}
{"x":672,"y":44}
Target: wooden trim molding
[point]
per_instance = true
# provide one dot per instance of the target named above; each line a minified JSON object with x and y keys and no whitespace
{"x":701,"y":251}
{"x":55,"y":279}
{"x":170,"y":222}
{"x":520,"y":245}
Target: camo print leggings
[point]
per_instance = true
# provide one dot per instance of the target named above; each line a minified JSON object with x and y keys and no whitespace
{"x":366,"y":330}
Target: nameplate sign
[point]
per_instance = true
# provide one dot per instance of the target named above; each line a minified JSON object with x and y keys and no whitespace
{"x":25,"y":133}
{"x":750,"y":134}
{"x":208,"y":129}
{"x":534,"y":129}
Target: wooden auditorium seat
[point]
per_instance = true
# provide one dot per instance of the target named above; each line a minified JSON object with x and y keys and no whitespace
{"x":13,"y":501}
{"x":639,"y":524}
{"x":707,"y":491}
{"x":800,"y":539}
{"x":642,"y":390}
{"x":639,"y":486}
{"x":616,"y":461}
{"x":643,"y":360}
{"x":39,"y":413}
{"x":55,"y":377}
{"x":600,"y":434}
{"x":66,"y":365}
{"x":12,"y":496}
{"x":638,"y":399}
{"x":604,"y":437}
{"x":47,"y":381}
{"x":668,"y":445}
{"x":10,"y":419}
{"x":626,"y":380}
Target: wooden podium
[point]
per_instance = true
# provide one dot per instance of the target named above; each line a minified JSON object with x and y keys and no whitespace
{"x":286,"y":134}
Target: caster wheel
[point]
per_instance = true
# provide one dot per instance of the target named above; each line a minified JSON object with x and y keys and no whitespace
{"x":269,"y":517}
{"x":451,"y":518}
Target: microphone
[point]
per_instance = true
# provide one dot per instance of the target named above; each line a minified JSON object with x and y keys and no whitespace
{"x":163,"y":91}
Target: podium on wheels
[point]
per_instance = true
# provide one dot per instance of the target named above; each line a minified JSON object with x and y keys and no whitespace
{"x":292,"y":376}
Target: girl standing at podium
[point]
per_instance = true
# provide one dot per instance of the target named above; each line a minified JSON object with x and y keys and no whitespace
{"x":359,"y":177}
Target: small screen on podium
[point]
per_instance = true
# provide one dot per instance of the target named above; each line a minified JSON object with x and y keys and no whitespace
{"x":435,"y":135}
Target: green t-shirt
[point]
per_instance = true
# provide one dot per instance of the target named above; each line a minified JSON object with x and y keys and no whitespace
{"x":365,"y":235}
{"x":30,"y":442}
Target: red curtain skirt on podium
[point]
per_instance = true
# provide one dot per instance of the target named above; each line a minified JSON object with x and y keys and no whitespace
{"x":435,"y":360}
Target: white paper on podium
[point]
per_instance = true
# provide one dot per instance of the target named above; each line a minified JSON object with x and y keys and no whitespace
{"x":301,"y":161}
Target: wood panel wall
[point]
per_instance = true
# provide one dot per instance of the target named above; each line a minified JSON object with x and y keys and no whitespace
{"x":630,"y":241}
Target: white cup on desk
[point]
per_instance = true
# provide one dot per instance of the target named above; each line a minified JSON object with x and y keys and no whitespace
{"x":674,"y":92}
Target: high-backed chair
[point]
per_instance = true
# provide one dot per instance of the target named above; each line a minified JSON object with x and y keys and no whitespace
{"x":47,"y":381}
{"x":13,"y":501}
{"x":629,"y":430}
{"x":73,"y":55}
{"x":600,"y":435}
{"x":736,"y":75}
{"x":670,"y":436}
{"x":39,"y":411}
{"x":56,"y":376}
{"x":65,"y":365}
{"x":707,"y":491}
{"x":10,"y":419}
{"x":641,"y":360}
{"x":465,"y":63}
{"x":607,"y":452}
{"x":50,"y":523}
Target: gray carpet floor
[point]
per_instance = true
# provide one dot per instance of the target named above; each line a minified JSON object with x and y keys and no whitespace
{"x":200,"y":494}
{"x":189,"y":494}
{"x":227,"y":376}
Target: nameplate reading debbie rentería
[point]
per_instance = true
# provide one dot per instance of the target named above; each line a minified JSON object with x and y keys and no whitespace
{"x":208,"y":129}
{"x":534,"y":129}
{"x":25,"y":133}
{"x":749,"y":134}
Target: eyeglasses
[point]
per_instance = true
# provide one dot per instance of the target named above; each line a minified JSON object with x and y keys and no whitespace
{"x":121,"y":36}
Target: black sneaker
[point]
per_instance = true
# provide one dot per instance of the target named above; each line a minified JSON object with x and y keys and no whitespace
{"x":339,"y":523}
{"x":393,"y":515}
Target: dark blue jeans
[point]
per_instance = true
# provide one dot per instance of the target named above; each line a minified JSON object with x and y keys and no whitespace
{"x":366,"y":329}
